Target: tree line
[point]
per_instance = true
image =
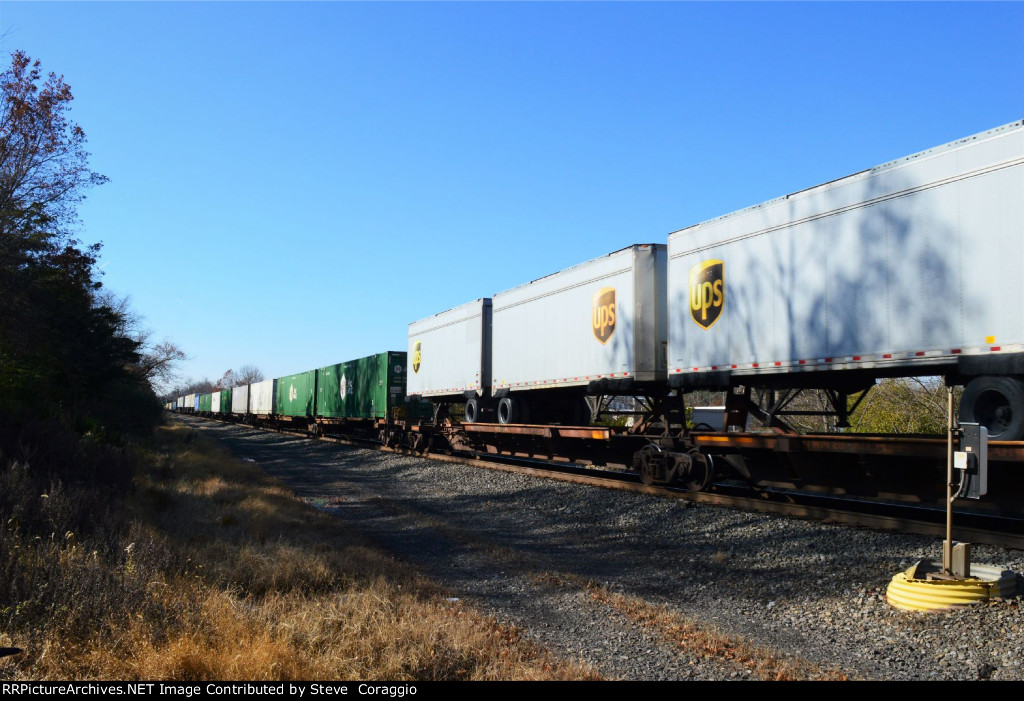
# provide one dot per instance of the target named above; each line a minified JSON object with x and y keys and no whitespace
{"x":71,"y":353}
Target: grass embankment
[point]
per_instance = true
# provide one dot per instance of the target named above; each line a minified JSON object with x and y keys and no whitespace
{"x":208,"y":569}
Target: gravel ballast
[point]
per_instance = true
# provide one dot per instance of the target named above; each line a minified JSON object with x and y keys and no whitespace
{"x":636,"y":586}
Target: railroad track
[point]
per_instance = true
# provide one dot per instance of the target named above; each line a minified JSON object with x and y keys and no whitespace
{"x":968,"y":526}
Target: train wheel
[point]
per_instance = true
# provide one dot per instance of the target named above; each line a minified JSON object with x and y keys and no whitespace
{"x":642,"y":463}
{"x":996,"y":403}
{"x":418,"y":442}
{"x":701,"y":472}
{"x":655,"y":466}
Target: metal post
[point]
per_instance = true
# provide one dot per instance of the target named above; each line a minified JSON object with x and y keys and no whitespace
{"x":947,"y":546}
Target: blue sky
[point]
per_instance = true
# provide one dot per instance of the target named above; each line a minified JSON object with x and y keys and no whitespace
{"x":292,"y":184}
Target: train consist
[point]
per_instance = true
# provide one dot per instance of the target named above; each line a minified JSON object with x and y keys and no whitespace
{"x":910,"y":268}
{"x":364,"y":397}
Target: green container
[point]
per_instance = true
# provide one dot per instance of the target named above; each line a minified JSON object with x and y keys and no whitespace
{"x":367,"y":388}
{"x":206,"y":402}
{"x":295,"y":394}
{"x":225,"y":401}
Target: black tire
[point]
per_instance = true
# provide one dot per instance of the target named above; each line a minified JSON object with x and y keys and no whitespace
{"x":472,"y":413}
{"x":997,"y":403}
{"x":508,"y":410}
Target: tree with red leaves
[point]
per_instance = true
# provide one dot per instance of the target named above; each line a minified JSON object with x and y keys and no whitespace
{"x":63,"y":351}
{"x":44,"y":167}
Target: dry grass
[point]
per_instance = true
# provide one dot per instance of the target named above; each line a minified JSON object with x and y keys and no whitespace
{"x":213,"y":571}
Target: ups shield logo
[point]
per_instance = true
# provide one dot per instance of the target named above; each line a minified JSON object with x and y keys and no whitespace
{"x":707,"y":292}
{"x":416,"y":355}
{"x":604,"y":314}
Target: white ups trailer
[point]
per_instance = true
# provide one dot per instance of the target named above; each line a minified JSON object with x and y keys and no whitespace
{"x":450,"y":354}
{"x":915,"y":267}
{"x":600,"y":327}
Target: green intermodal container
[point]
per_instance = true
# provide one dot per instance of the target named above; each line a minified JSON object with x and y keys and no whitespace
{"x":296,"y":394}
{"x":205,"y":402}
{"x":225,"y":402}
{"x":367,"y":388}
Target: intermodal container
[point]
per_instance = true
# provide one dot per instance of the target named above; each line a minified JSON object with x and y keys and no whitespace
{"x":240,"y":400}
{"x":261,"y":397}
{"x":296,"y":394}
{"x":373,"y":387}
{"x":222,"y":401}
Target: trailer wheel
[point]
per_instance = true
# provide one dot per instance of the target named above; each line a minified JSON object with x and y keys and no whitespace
{"x":996,"y":403}
{"x":508,"y":410}
{"x":472,"y":413}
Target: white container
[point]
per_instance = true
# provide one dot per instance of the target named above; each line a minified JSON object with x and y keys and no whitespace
{"x":240,"y":400}
{"x":602,"y":323}
{"x":261,"y":397}
{"x":905,"y":268}
{"x":215,"y":402}
{"x":449,"y":353}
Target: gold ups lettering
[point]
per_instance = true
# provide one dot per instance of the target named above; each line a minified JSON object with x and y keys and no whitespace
{"x":604,"y":314}
{"x":707,"y":292}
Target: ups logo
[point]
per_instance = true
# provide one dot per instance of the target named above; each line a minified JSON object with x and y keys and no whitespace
{"x":417,"y":349}
{"x":707,"y":292}
{"x":604,"y":314}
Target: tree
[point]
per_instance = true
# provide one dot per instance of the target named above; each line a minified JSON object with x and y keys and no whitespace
{"x":64,"y":350}
{"x":158,"y":361}
{"x":226,"y":381}
{"x":905,"y":405}
{"x":43,"y":162}
{"x":191,"y":386}
{"x":247,"y":374}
